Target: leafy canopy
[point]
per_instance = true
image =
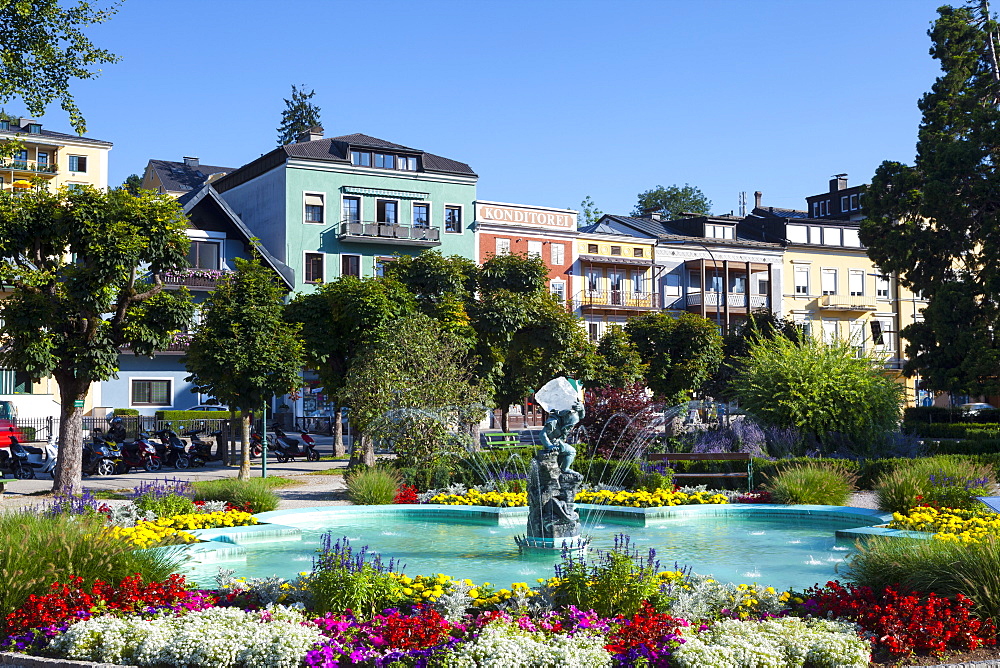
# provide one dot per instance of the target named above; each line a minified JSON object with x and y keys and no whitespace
{"x":43,"y":47}
{"x":243,"y":352}
{"x":672,"y":201}
{"x":822,"y":389}
{"x":936,"y":223}
{"x":299,"y":115}
{"x":618,"y":363}
{"x":682,"y":353}
{"x":412,"y":389}
{"x":736,"y":344}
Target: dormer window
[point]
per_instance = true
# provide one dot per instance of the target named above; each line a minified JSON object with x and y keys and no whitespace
{"x":384,"y":161}
{"x":34,"y":128}
{"x":719,"y":231}
{"x":361,"y":158}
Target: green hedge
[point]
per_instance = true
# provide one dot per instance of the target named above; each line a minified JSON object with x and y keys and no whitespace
{"x":172,"y":416}
{"x":976,"y":432}
{"x":984,"y":446}
{"x":935,"y":414}
{"x":122,"y":412}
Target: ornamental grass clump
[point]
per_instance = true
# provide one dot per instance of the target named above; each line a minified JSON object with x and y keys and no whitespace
{"x":813,"y":484}
{"x":946,"y":568}
{"x":253,"y":494}
{"x":37,"y":551}
{"x":374,"y":486}
{"x":943,"y":482}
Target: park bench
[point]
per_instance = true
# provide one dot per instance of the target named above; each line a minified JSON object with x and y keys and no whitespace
{"x":6,"y":481}
{"x":708,"y":457}
{"x":495,"y":440}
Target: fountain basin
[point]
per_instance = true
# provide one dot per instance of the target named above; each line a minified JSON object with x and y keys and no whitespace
{"x":780,"y":546}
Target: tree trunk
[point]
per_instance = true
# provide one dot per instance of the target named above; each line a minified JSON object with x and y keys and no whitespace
{"x":363,"y":452}
{"x":505,"y":419}
{"x":245,"y":448}
{"x":338,"y":432}
{"x":69,"y":476}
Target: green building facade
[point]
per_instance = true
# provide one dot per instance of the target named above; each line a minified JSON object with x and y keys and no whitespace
{"x":328,"y":207}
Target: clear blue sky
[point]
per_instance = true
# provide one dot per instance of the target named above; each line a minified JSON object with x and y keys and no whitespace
{"x":547,"y":100}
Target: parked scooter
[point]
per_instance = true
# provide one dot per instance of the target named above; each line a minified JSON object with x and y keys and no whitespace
{"x":176,"y":452}
{"x":42,"y":461}
{"x":140,"y":453}
{"x":203,"y":448}
{"x":14,"y":459}
{"x":286,"y":448}
{"x":98,"y":457}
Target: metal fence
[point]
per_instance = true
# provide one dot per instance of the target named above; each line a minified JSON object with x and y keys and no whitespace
{"x":40,"y":429}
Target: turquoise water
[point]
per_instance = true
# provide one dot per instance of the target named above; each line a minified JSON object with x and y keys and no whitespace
{"x":784,"y":552}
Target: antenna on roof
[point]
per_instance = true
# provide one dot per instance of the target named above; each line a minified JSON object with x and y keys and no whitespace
{"x":743,"y":204}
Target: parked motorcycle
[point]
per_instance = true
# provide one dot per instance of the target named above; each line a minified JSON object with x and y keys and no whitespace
{"x":256,"y":444}
{"x":42,"y":461}
{"x":140,"y":453}
{"x":203,"y":448}
{"x":286,"y":448}
{"x":14,"y":459}
{"x":98,"y":457}
{"x":176,"y":452}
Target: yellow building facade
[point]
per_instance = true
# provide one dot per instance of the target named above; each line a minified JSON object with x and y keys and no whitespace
{"x":57,"y":159}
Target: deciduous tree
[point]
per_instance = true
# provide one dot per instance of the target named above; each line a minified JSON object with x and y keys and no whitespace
{"x":618,"y":361}
{"x":936,"y":223}
{"x":736,"y":347}
{"x":672,"y":201}
{"x":682,"y":353}
{"x":243,"y":352}
{"x":84,"y":267}
{"x":338,"y":320}
{"x":43,"y":47}
{"x":299,"y":115}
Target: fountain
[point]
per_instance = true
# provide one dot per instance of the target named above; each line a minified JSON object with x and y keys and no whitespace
{"x":553,"y":523}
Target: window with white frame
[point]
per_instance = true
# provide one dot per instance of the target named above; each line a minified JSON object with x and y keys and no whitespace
{"x":594,"y":331}
{"x":797,"y":234}
{"x":829,"y":331}
{"x":421,"y":214}
{"x":453,"y":219}
{"x":313,"y":268}
{"x":831,"y":236}
{"x":351,"y":210}
{"x":854,"y":202}
{"x":882,"y":287}
{"x":805,"y":326}
{"x":535,"y":249}
{"x":350,"y":265}
{"x":844,"y":199}
{"x":314,"y":204}
{"x":851,"y":238}
{"x":858,"y":337}
{"x":78,"y":163}
{"x":203,"y":255}
{"x":387,"y":211}
{"x":593,"y":279}
{"x":882,"y":334}
{"x":672,"y":285}
{"x":815,"y":235}
{"x":719,"y":231}
{"x":558,"y":252}
{"x":154,"y":392}
{"x":639,"y":282}
{"x":829,"y":281}
{"x":503,"y":246}
{"x":801,"y":279}
{"x":856,"y":282}
{"x":558,"y":288}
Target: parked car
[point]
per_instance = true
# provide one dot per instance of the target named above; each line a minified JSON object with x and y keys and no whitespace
{"x":210,"y":407}
{"x":7,"y":430}
{"x":976,"y":408}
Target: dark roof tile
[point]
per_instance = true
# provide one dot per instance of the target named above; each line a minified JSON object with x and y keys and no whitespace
{"x":177,"y":176}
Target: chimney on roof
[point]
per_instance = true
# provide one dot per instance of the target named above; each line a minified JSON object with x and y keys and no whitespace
{"x":191,"y":162}
{"x":838,"y":182}
{"x":312,"y":134}
{"x":652,"y":214}
{"x":757,"y":195}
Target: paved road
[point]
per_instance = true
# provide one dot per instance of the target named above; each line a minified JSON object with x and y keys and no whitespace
{"x":211,"y":471}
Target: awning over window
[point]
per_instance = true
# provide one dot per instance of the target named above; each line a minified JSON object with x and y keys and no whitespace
{"x":314,"y":200}
{"x":395,"y":194}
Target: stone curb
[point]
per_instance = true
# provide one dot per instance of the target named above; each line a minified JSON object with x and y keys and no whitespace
{"x":14,"y":660}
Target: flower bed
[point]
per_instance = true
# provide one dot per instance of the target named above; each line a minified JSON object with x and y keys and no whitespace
{"x":636,"y":499}
{"x":952,"y":524}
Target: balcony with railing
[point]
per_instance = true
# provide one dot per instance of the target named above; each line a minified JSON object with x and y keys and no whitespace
{"x":616,"y":300}
{"x":30,"y":166}
{"x":195,"y":279}
{"x":385,"y":233}
{"x":847,"y":303}
{"x":178,"y":346}
{"x":735,"y":300}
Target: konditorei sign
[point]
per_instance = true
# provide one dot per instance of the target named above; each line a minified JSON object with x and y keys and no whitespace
{"x":519,"y":214}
